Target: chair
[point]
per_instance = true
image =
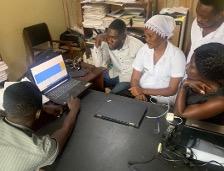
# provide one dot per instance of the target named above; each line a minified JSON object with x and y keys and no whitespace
{"x":38,"y":40}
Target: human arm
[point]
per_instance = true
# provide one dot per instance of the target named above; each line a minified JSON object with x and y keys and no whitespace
{"x":180,"y":104}
{"x":135,"y":87}
{"x":167,"y":91}
{"x":138,"y":66}
{"x":62,"y":134}
{"x":141,"y":97}
{"x":100,"y":52}
{"x":52,"y":109}
{"x":210,"y":108}
{"x":99,"y":39}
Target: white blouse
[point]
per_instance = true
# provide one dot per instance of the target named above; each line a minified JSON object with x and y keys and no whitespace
{"x":171,"y":64}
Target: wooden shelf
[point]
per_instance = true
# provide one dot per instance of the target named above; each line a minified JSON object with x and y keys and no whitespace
{"x":113,"y":3}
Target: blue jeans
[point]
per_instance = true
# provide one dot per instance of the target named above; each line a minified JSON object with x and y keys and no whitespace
{"x":114,"y":83}
{"x":120,"y":87}
{"x":109,"y":82}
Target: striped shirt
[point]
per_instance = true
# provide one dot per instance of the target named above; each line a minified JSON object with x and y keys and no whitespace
{"x":22,"y":150}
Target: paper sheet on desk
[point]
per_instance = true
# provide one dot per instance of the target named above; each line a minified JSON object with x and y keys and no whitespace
{"x":6,"y":84}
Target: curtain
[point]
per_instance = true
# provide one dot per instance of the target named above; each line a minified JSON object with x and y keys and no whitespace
{"x":72,"y":13}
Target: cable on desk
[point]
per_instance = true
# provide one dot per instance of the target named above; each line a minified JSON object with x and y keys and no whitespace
{"x":206,"y":163}
{"x":131,"y":164}
{"x":161,"y":115}
{"x":178,"y":120}
{"x":179,"y":154}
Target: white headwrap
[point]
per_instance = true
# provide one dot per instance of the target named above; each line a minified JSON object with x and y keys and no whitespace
{"x":163,"y":25}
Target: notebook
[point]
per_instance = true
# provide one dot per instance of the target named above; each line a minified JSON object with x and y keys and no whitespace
{"x":206,"y":126}
{"x":129,"y":113}
{"x":53,"y":80}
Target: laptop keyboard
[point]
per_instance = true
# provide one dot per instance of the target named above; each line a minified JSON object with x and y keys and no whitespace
{"x":63,"y":89}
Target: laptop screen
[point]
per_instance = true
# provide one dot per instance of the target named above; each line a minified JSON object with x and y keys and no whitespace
{"x":49,"y":72}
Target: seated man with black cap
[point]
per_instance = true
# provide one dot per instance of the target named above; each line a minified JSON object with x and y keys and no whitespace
{"x":20,"y":148}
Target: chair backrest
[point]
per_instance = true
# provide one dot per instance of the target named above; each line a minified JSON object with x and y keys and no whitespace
{"x":35,"y":35}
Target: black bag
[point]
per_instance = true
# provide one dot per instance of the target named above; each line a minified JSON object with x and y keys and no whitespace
{"x":71,"y":35}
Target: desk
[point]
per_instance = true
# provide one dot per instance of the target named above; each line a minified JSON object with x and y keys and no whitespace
{"x":95,"y":76}
{"x":99,"y":145}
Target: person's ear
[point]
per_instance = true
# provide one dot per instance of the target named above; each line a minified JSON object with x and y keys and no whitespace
{"x":221,"y":15}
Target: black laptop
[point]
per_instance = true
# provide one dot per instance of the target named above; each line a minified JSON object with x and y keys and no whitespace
{"x":129,"y":113}
{"x":53,"y":80}
{"x":206,"y":126}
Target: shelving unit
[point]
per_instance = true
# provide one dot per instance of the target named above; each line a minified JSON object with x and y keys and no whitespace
{"x":180,"y":14}
{"x":97,"y":15}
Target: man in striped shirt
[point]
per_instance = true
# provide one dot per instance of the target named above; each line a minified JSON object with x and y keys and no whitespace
{"x":20,"y":148}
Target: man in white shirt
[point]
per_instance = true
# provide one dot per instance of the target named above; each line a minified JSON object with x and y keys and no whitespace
{"x":208,"y":26}
{"x":116,"y":51}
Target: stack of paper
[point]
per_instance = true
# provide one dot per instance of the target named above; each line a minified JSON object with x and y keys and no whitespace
{"x":86,"y":1}
{"x":121,"y":1}
{"x":181,"y":10}
{"x":116,"y":14}
{"x":3,"y":71}
{"x":133,"y":10}
{"x":138,"y":21}
{"x":107,"y":21}
{"x":133,"y":14}
{"x":93,"y":15}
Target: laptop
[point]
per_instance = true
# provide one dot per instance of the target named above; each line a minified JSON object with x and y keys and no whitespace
{"x":130,"y":113}
{"x":206,"y":126}
{"x":199,"y":144}
{"x":53,"y":80}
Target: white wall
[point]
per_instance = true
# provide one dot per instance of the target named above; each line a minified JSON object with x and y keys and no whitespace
{"x":17,"y":14}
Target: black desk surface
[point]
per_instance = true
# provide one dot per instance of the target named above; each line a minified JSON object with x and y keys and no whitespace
{"x":99,"y":145}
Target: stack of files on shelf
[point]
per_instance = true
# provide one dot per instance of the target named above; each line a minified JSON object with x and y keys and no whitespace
{"x":121,"y":1}
{"x":86,"y":1}
{"x":116,"y":14}
{"x":180,"y":16}
{"x":110,"y":1}
{"x":3,"y":71}
{"x":93,"y":15}
{"x":180,"y":10}
{"x":138,"y":21}
{"x":134,"y":15}
{"x":133,"y":10}
{"x":107,"y":21}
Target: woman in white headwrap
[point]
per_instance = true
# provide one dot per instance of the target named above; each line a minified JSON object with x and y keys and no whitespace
{"x":159,"y":66}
